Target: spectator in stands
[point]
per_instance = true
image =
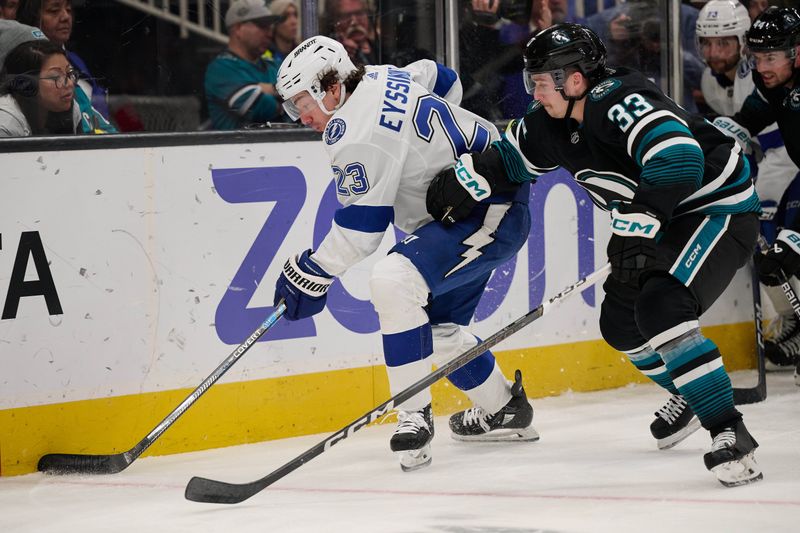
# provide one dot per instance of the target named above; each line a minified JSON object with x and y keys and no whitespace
{"x":240,"y":82}
{"x":8,"y":9}
{"x":755,"y":7}
{"x":286,"y":31}
{"x":55,"y":19}
{"x":37,"y":92}
{"x":493,"y":35}
{"x":632,"y":33}
{"x":351,"y":23}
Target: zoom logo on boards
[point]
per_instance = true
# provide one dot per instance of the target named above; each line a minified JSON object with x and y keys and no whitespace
{"x":30,"y":248}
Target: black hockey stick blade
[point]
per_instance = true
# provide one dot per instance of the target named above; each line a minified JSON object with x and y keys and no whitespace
{"x":69,"y":463}
{"x":759,"y":392}
{"x":205,"y":490}
{"x":66,"y":463}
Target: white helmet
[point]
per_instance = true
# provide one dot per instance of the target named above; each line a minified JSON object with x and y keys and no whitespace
{"x":306,"y":65}
{"x":722,"y":18}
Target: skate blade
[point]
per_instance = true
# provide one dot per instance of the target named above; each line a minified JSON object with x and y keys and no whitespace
{"x":527,"y":434}
{"x":670,"y":442}
{"x":797,"y":378}
{"x":741,"y":472}
{"x":411,"y":460}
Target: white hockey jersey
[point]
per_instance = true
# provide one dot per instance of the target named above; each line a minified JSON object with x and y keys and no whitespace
{"x":399,"y":128}
{"x":775,"y":170}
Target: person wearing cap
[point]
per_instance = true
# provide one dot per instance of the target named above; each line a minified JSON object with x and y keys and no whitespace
{"x":55,"y":19}
{"x":240,"y":82}
{"x":19,"y":99}
{"x":286,"y":30}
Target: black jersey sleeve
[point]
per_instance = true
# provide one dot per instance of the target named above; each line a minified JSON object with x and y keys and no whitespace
{"x":654,"y":133}
{"x":517,"y":156}
{"x":756,"y":113}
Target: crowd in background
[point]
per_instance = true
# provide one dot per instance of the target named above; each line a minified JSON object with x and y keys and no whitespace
{"x":233,"y":86}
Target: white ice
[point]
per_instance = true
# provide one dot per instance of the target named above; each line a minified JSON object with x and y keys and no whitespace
{"x":595,"y":469}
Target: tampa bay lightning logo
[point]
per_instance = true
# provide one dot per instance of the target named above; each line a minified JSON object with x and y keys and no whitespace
{"x":335,"y":130}
{"x":793,"y":100}
{"x":602,"y":89}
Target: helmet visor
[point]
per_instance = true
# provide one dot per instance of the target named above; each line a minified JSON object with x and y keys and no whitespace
{"x":299,"y":104}
{"x":545,"y":82}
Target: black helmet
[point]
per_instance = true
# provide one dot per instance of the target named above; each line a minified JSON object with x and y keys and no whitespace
{"x":776,"y":28}
{"x":566,"y":46}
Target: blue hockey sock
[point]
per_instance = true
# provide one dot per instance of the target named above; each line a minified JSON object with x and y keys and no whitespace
{"x":649,"y":363}
{"x":696,"y":368}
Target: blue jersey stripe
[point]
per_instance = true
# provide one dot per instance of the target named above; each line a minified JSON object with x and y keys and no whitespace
{"x":445,"y":78}
{"x":364,"y":218}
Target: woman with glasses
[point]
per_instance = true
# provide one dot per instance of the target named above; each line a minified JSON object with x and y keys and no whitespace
{"x":37,"y":93}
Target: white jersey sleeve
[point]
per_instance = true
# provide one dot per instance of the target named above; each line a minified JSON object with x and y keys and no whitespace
{"x":437,"y":78}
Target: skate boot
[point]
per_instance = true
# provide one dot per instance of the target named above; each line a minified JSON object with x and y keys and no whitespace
{"x":782,"y":348}
{"x":731,"y":456}
{"x":412,"y":438}
{"x":674,"y":422}
{"x":512,"y":422}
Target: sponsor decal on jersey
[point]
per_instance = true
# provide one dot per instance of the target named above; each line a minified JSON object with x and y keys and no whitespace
{"x":373,"y":75}
{"x":604,"y":88}
{"x":335,"y":130}
{"x":793,"y":100}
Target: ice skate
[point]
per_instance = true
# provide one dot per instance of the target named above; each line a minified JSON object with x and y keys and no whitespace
{"x":412,"y":438}
{"x":512,"y":422}
{"x":674,"y":422}
{"x":731,"y":457}
{"x":782,"y":347}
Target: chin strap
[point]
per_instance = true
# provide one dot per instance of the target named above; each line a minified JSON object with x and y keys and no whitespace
{"x":342,"y":92}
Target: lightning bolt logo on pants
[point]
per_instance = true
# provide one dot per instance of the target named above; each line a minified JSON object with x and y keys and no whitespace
{"x":483,"y":237}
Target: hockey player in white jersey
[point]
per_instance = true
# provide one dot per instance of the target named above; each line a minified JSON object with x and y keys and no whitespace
{"x":726,"y":83}
{"x":388,"y":131}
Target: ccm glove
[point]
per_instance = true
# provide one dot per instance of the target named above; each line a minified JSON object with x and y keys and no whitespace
{"x":303,"y":285}
{"x":455,"y":191}
{"x":784,"y":254}
{"x":632,"y":247}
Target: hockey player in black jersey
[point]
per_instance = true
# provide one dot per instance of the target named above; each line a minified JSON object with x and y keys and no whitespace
{"x":773,"y":44}
{"x":683,"y":220}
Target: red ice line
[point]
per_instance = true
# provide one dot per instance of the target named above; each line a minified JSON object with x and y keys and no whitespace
{"x":700,"y":501}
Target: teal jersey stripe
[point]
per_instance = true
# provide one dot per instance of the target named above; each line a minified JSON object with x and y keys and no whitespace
{"x":670,"y":126}
{"x":699,"y":248}
{"x":680,"y":163}
{"x":515,"y":167}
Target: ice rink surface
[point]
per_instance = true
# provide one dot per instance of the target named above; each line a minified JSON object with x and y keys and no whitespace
{"x":596,"y":468}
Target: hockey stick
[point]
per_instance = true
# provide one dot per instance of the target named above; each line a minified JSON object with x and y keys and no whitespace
{"x":759,"y":392}
{"x":210,"y":491}
{"x":67,"y":463}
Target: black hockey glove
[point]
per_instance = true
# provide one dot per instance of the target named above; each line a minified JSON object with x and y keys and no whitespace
{"x":784,"y":254}
{"x":632,"y":247}
{"x":455,"y":191}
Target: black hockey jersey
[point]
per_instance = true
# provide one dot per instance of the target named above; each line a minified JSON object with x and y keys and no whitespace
{"x":635,"y":144}
{"x":765,"y":106}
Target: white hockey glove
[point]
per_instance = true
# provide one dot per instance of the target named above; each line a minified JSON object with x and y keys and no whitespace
{"x":739,"y":133}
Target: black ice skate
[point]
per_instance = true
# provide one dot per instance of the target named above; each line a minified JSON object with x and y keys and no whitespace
{"x":782,"y":349}
{"x":731,"y":456}
{"x":674,"y":422}
{"x":412,"y":438}
{"x":512,"y":422}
